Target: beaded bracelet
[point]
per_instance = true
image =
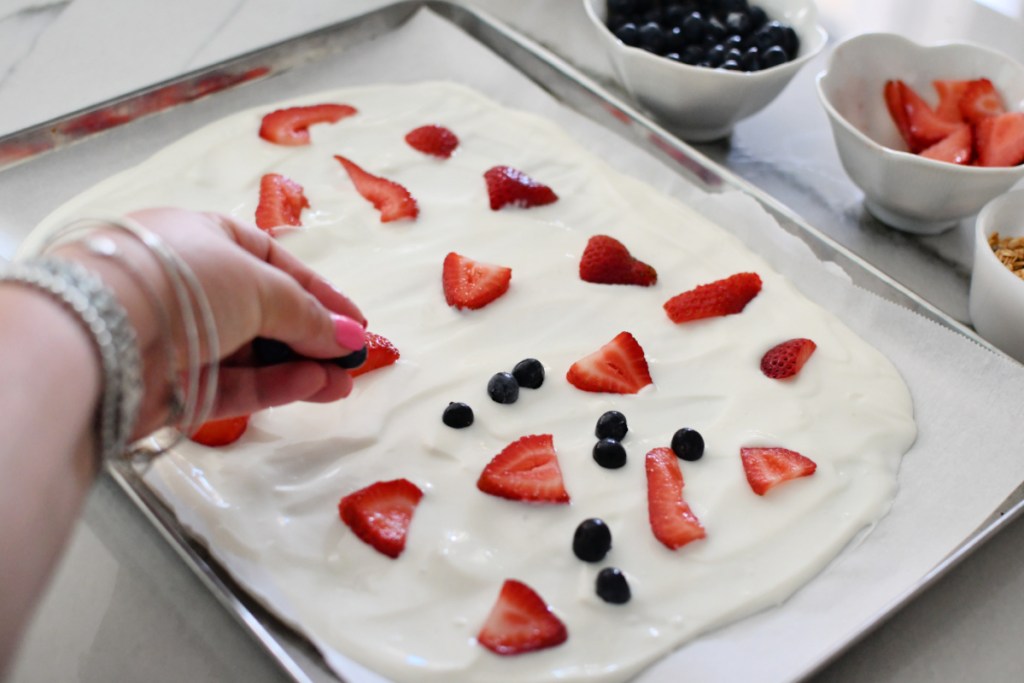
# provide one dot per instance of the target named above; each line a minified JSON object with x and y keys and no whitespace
{"x":106,"y":320}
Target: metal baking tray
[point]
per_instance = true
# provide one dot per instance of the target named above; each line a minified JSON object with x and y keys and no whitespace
{"x":54,"y":138}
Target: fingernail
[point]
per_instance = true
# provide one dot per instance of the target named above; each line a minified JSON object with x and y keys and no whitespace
{"x":348,"y":332}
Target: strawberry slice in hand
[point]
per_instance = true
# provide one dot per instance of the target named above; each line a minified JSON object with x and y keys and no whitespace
{"x":221,"y":432}
{"x":721,"y":297}
{"x":291,"y":126}
{"x":392,"y":200}
{"x":607,"y":261}
{"x":766,"y":468}
{"x":618,"y":367}
{"x":507,"y":186}
{"x":672,"y":521}
{"x":381,"y":513}
{"x":436,"y":141}
{"x":786,"y":359}
{"x":526,"y":470}
{"x":380,"y":352}
{"x":281,"y":202}
{"x":520,"y":622}
{"x":1000,"y":140}
{"x":472,"y":284}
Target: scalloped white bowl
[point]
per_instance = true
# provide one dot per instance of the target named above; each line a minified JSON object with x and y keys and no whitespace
{"x":996,"y":301}
{"x":901,"y":189}
{"x":701,"y":104}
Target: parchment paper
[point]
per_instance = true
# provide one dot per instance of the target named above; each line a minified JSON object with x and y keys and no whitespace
{"x":969,"y":402}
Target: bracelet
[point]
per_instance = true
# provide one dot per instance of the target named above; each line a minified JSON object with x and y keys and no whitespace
{"x":106,"y":320}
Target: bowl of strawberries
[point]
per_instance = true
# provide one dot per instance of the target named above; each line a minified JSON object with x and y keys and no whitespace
{"x":930,"y":134}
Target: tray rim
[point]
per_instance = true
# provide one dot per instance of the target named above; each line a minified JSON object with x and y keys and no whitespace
{"x":59,"y":132}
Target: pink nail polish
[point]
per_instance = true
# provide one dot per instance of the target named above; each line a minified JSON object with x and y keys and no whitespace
{"x":348,"y":332}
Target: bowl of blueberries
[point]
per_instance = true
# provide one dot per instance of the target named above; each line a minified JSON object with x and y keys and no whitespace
{"x":700,"y":66}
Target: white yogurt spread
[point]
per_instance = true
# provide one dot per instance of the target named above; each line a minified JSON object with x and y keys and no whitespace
{"x":267,"y":505}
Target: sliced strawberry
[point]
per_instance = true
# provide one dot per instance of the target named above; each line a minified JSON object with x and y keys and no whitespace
{"x":1000,"y":140}
{"x":380,"y":352}
{"x":520,"y":621}
{"x":380,"y":514}
{"x":618,"y":367}
{"x":291,"y":126}
{"x":672,"y":521}
{"x":980,"y":100}
{"x":894,"y":101}
{"x":508,"y":186}
{"x":221,"y":432}
{"x":392,"y":200}
{"x":721,"y":297}
{"x":607,"y":261}
{"x":472,"y":284}
{"x":955,"y":148}
{"x":926,"y":127}
{"x":950,"y":93}
{"x":437,"y":141}
{"x":526,"y":470}
{"x":786,"y":359}
{"x":766,"y":468}
{"x":281,"y":202}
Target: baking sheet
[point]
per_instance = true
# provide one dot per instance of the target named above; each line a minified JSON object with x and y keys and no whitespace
{"x":965,"y":461}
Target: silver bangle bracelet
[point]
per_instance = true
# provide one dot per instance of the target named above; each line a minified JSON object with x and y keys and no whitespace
{"x":106,"y":320}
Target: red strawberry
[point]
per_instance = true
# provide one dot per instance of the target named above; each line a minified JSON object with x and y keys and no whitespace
{"x":380,"y":353}
{"x":380,"y":514}
{"x":1000,"y":140}
{"x":955,"y":148}
{"x":950,"y":93}
{"x":281,"y":202}
{"x":766,"y":468}
{"x":894,"y":101}
{"x":508,"y":186}
{"x":785,"y":359}
{"x":618,"y":367}
{"x":526,"y":470}
{"x":472,"y":284}
{"x":721,"y":297}
{"x":980,"y":100}
{"x":520,"y":621}
{"x":607,"y":261}
{"x":392,"y":200}
{"x":672,"y":521}
{"x":926,"y":127}
{"x":437,"y":141}
{"x":291,"y":126}
{"x":221,"y":432}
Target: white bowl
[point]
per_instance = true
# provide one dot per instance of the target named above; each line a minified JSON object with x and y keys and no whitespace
{"x":997,"y":295}
{"x":698,"y":103}
{"x":902,"y":189}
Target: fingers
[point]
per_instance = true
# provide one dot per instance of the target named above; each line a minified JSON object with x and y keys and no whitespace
{"x":243,"y":391}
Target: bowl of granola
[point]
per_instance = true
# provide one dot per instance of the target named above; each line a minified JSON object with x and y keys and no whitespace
{"x":997,"y":279}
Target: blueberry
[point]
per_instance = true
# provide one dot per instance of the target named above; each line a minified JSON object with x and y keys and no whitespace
{"x":457,"y":415}
{"x":620,"y":6}
{"x":735,"y":6}
{"x":629,"y":34}
{"x":529,"y":373}
{"x":592,"y":540}
{"x":738,"y":23}
{"x":688,"y":444}
{"x":790,"y":41}
{"x":611,"y":425}
{"x":730,"y":65}
{"x":715,"y":29}
{"x":676,"y":13}
{"x":751,"y":60}
{"x":693,"y":28}
{"x":692,"y":54}
{"x":774,"y":56}
{"x":609,"y":454}
{"x":769,"y":35}
{"x":652,"y":37}
{"x":503,"y":388}
{"x":758,"y":17}
{"x":674,"y":56}
{"x":272,"y":351}
{"x":612,"y":586}
{"x":732,"y":42}
{"x":675,"y":41}
{"x":733,"y":54}
{"x":715,"y":55}
{"x":352,"y":360}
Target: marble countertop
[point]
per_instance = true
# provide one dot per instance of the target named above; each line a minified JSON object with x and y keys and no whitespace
{"x":123,"y":607}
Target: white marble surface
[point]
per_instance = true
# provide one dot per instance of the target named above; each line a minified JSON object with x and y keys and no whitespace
{"x":123,"y":607}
